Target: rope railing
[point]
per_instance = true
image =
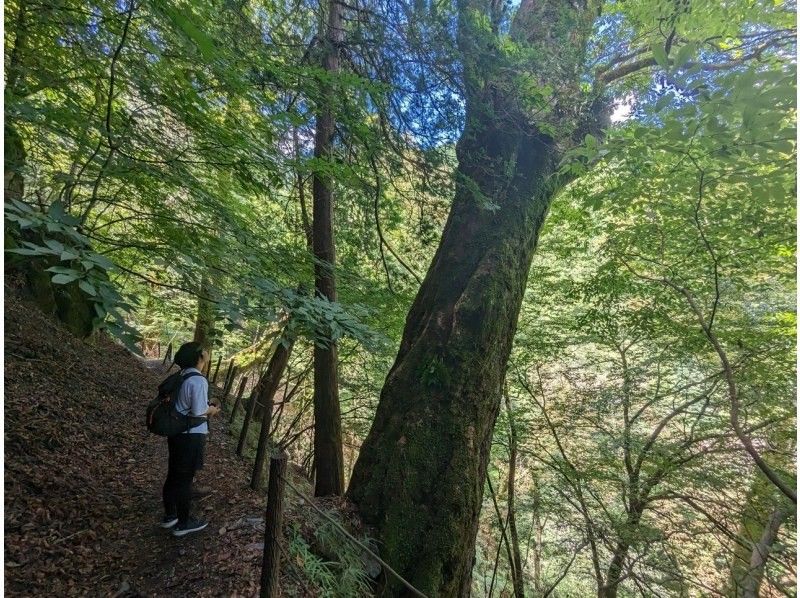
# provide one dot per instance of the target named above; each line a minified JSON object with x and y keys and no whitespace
{"x":360,"y":544}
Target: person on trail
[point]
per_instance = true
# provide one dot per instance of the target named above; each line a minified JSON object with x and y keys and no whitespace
{"x":186,"y":450}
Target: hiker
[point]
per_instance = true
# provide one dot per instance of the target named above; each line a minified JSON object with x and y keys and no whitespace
{"x":186,"y":449}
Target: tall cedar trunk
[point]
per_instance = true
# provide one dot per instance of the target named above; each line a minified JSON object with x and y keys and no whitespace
{"x":519,"y":586}
{"x":328,"y":455}
{"x":419,"y":476}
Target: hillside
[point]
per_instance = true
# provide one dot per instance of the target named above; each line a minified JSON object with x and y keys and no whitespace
{"x":83,"y":479}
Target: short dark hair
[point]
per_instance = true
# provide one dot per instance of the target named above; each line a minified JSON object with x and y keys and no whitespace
{"x":189,"y":354}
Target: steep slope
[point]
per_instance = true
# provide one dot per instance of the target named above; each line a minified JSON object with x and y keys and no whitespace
{"x":83,"y":478}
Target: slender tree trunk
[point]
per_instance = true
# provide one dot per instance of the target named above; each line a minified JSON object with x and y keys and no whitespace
{"x":277,"y":365}
{"x":758,"y":559}
{"x":419,"y":476}
{"x":327,"y":417}
{"x":14,"y":158}
{"x":764,"y":512}
{"x":614,"y":573}
{"x":519,"y":585}
{"x":538,"y":582}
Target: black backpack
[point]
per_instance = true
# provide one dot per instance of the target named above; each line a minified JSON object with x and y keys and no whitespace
{"x":163,"y":418}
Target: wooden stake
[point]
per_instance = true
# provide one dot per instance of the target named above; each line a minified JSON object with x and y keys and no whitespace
{"x":229,"y":383}
{"x":239,"y":394}
{"x":216,"y":370}
{"x":273,"y":528}
{"x":246,"y":425}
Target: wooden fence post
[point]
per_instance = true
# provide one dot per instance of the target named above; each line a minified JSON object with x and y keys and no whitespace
{"x":228,"y":373}
{"x":229,"y":383}
{"x":216,"y":370}
{"x":246,"y":425}
{"x":273,"y":528}
{"x":261,"y":451}
{"x":239,"y":394}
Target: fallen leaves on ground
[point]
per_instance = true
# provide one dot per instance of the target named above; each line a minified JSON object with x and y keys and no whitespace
{"x":83,"y":479}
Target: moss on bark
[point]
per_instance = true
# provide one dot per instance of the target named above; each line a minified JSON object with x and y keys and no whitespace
{"x":420,"y":474}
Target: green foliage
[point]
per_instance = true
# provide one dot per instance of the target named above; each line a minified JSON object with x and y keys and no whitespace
{"x":344,"y":576}
{"x":165,"y":144}
{"x":53,"y":236}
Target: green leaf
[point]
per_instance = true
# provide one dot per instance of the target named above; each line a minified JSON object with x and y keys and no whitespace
{"x":663,"y":102}
{"x":101,"y":261}
{"x":64,"y":278}
{"x":660,"y":55}
{"x":56,"y":211}
{"x":87,"y":288}
{"x":783,"y":146}
{"x":54,"y":245}
{"x":25,"y":251}
{"x":63,"y":270}
{"x":684,"y":54}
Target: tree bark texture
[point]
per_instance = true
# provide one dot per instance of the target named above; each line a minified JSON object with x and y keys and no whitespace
{"x":237,"y":401}
{"x":273,"y":529}
{"x":328,"y":453}
{"x":277,"y":365}
{"x":248,"y":416}
{"x":419,"y":476}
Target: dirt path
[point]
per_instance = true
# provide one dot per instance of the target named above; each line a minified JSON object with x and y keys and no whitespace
{"x":83,"y":479}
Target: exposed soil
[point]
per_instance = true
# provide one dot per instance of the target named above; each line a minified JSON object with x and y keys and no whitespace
{"x":83,"y":479}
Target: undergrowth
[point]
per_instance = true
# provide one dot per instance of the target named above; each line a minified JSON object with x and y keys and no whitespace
{"x":339,"y":576}
{"x":345,"y":575}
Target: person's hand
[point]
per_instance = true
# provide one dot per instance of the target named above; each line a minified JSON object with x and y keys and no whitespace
{"x":213,"y":410}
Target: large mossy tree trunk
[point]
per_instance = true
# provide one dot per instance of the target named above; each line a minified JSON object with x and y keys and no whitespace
{"x":420,"y":473}
{"x":328,"y":455}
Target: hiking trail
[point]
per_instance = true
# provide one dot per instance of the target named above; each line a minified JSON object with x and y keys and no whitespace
{"x":83,"y":479}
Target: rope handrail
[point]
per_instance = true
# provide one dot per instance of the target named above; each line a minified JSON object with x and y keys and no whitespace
{"x":414,"y":590}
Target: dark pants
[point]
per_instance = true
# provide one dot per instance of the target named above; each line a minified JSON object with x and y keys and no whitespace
{"x":185,"y":457}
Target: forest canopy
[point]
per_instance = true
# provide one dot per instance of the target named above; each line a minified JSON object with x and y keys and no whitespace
{"x":532,"y":264}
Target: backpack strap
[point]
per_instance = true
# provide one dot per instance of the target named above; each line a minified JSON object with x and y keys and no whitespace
{"x":189,"y":375}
